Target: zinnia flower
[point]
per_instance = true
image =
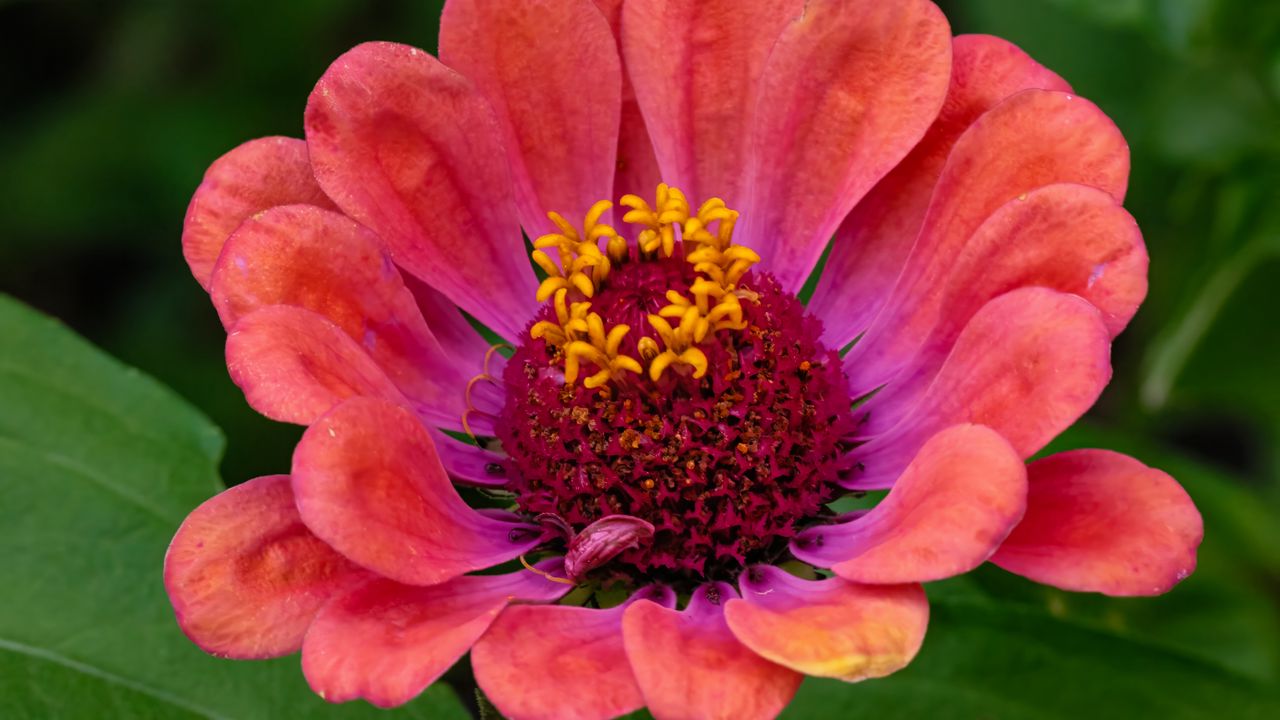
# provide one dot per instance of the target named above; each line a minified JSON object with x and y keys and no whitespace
{"x":648,"y":464}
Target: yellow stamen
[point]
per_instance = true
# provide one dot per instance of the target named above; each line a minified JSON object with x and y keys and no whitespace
{"x":670,"y":209}
{"x":578,"y":267}
{"x":547,"y":575}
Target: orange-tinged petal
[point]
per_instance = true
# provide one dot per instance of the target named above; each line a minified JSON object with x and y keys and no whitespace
{"x":696,"y":66}
{"x":1027,"y":365}
{"x":1099,"y":521}
{"x":829,"y":628}
{"x":1072,"y":238}
{"x":386,"y":642}
{"x":306,"y":257}
{"x":872,"y":244}
{"x":410,"y":149}
{"x":560,"y":662}
{"x":368,"y":481}
{"x":1033,"y":139}
{"x":637,"y":168}
{"x":848,"y":90}
{"x":253,"y":177}
{"x":294,"y":365}
{"x":690,"y":665}
{"x":551,"y":72}
{"x":246,"y":577}
{"x":947,"y":513}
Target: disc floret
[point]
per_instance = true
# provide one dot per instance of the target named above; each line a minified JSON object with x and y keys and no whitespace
{"x":667,"y":381}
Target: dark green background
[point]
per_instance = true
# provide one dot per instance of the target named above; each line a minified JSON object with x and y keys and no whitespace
{"x":110,"y":112}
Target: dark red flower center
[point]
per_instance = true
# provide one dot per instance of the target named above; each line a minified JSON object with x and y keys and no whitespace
{"x":727,"y":466}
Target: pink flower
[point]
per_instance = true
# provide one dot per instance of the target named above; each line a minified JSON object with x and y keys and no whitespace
{"x":671,"y":423}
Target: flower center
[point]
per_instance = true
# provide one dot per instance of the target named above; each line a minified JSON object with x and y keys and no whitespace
{"x":669,"y":382}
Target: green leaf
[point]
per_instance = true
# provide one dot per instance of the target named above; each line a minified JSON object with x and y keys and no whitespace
{"x":988,"y":661}
{"x":98,"y":466}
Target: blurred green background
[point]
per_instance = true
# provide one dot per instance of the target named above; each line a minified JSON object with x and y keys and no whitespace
{"x":111,"y":111}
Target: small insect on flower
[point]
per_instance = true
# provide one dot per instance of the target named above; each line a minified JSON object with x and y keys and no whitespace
{"x":641,"y":479}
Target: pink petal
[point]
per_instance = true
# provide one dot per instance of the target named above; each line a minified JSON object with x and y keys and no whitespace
{"x":946,"y":514}
{"x":689,"y":664}
{"x":294,"y":365}
{"x":1027,"y":365}
{"x":462,"y":343}
{"x":1071,"y":238}
{"x":871,"y":246}
{"x":257,"y":175}
{"x":368,"y":481}
{"x":468,"y":464}
{"x":849,"y":89}
{"x":408,"y":148}
{"x":829,"y":628}
{"x":246,"y":577}
{"x":1099,"y":521}
{"x":386,"y":642}
{"x":637,"y":168}
{"x":559,"y":125}
{"x":696,"y":66}
{"x":1033,"y":139}
{"x":637,"y":171}
{"x":556,"y":662}
{"x":322,"y":261}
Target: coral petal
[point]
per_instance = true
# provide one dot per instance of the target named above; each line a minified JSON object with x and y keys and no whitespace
{"x":1071,"y":238}
{"x":1033,"y":139}
{"x":951,"y":508}
{"x":829,"y":628}
{"x":1027,"y":365}
{"x":637,"y":169}
{"x":696,"y":66}
{"x":560,"y":662}
{"x":408,"y":148}
{"x":690,"y":665}
{"x":322,"y":261}
{"x":368,"y":481}
{"x":295,"y":366}
{"x":246,"y":577}
{"x":468,"y":464}
{"x":386,"y":642}
{"x":527,"y":57}
{"x":872,"y":244}
{"x":462,"y":343}
{"x":255,"y":176}
{"x":848,"y":90}
{"x":1099,"y":521}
